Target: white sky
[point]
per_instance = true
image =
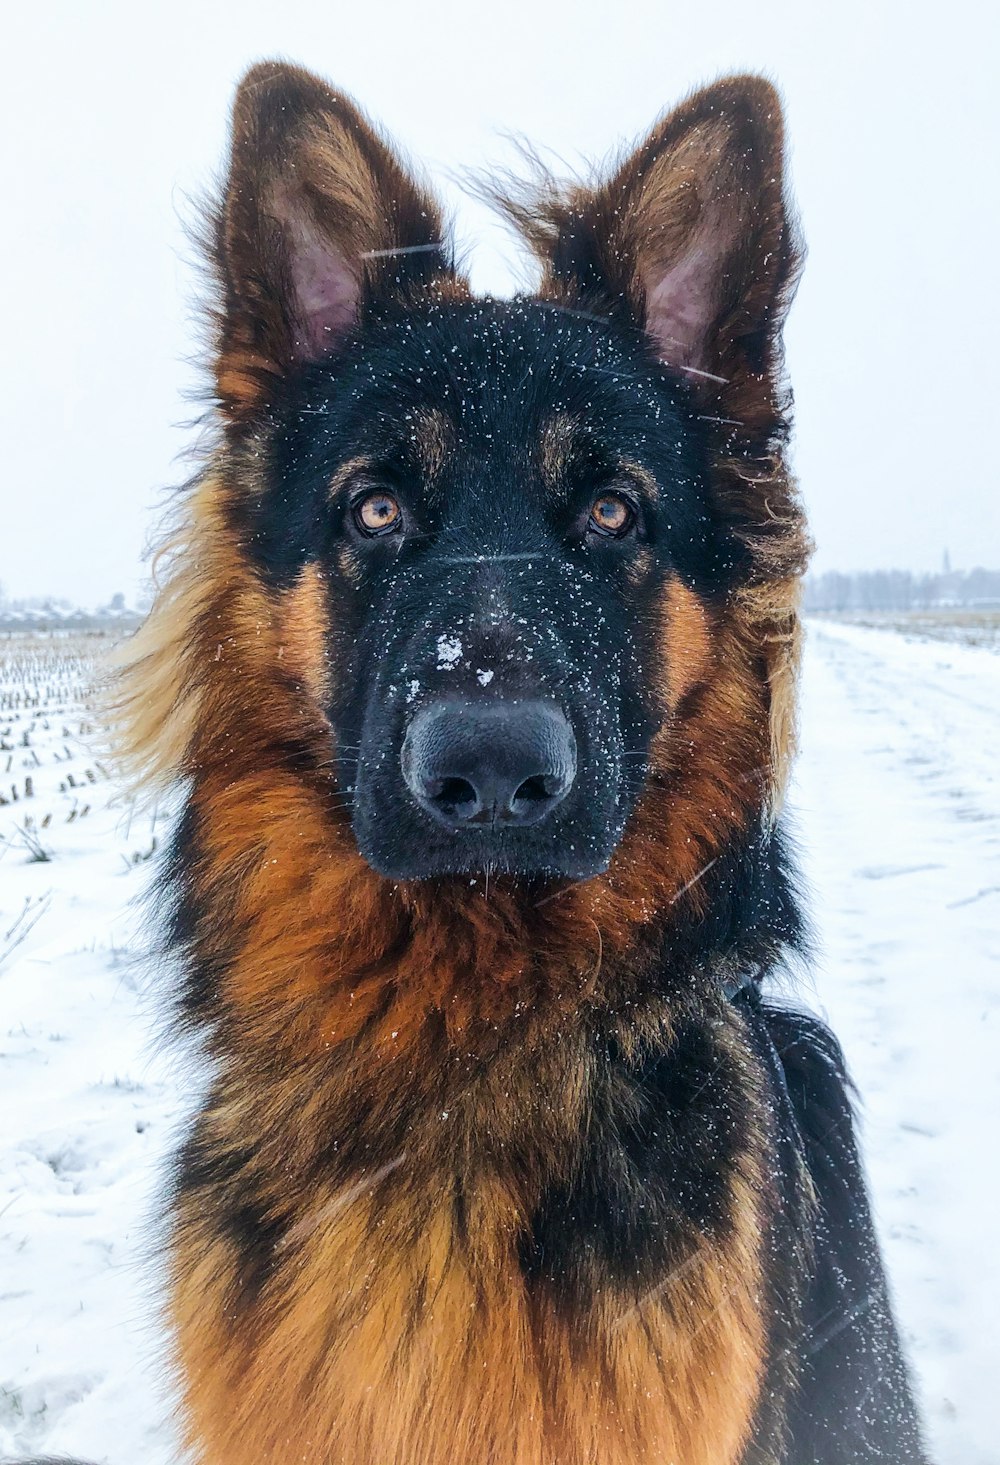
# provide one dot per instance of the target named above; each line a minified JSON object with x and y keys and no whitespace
{"x":113,"y":114}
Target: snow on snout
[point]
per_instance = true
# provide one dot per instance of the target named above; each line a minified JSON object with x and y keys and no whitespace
{"x":449,"y":652}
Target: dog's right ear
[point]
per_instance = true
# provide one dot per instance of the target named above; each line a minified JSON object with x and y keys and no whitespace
{"x":319,"y":222}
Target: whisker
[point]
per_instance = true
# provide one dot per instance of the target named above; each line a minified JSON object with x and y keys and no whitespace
{"x":478,"y":559}
{"x":583,"y":314}
{"x":553,"y":894}
{"x":431,"y":248}
{"x":694,"y":880}
{"x":694,"y":371}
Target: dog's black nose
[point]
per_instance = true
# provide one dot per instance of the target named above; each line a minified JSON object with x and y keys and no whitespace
{"x":493,"y":763}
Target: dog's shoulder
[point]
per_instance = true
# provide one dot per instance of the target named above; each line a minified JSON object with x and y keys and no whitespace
{"x":853,"y":1398}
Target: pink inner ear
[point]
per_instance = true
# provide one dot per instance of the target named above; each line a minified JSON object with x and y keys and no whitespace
{"x":681,"y":304}
{"x":327,"y":294}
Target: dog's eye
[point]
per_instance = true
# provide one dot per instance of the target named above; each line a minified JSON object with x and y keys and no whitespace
{"x":611,"y":515}
{"x":378,"y":513}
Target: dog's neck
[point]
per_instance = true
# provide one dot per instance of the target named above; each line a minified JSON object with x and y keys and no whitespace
{"x":293,"y":945}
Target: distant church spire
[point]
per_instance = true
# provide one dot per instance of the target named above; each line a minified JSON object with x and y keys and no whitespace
{"x":946,"y":562}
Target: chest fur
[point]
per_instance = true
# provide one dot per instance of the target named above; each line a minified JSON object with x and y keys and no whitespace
{"x":465,"y":1302}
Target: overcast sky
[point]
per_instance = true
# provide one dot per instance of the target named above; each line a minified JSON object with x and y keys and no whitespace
{"x":114,"y":115}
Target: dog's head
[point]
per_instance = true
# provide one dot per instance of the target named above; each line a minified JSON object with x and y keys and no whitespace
{"x":512,"y":548}
{"x":490,"y":500}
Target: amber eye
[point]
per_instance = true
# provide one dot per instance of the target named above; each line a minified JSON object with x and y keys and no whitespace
{"x":611,"y":515}
{"x":377,"y":513}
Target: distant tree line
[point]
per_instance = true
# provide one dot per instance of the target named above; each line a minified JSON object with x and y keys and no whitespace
{"x":50,"y":613}
{"x":901,"y":590}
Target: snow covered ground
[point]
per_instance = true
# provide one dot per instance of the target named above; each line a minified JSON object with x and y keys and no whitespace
{"x":897,"y":810}
{"x":86,"y":1106}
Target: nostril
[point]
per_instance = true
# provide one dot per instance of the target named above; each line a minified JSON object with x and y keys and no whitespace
{"x":452,"y":793}
{"x":538,"y":790}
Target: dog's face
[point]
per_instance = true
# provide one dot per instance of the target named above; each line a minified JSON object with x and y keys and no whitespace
{"x":489,"y":512}
{"x":495,"y":496}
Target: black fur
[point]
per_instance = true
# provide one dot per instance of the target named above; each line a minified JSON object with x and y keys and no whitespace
{"x":853,"y":1401}
{"x":834,"y":1343}
{"x":652,"y":1176}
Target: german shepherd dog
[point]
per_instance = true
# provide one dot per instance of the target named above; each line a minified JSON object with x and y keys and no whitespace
{"x":477,"y":668}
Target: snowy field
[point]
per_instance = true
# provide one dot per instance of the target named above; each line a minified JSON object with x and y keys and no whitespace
{"x":957,"y":625}
{"x":897,"y":810}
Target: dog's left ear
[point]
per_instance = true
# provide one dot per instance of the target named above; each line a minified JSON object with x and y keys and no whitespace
{"x":691,"y":234}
